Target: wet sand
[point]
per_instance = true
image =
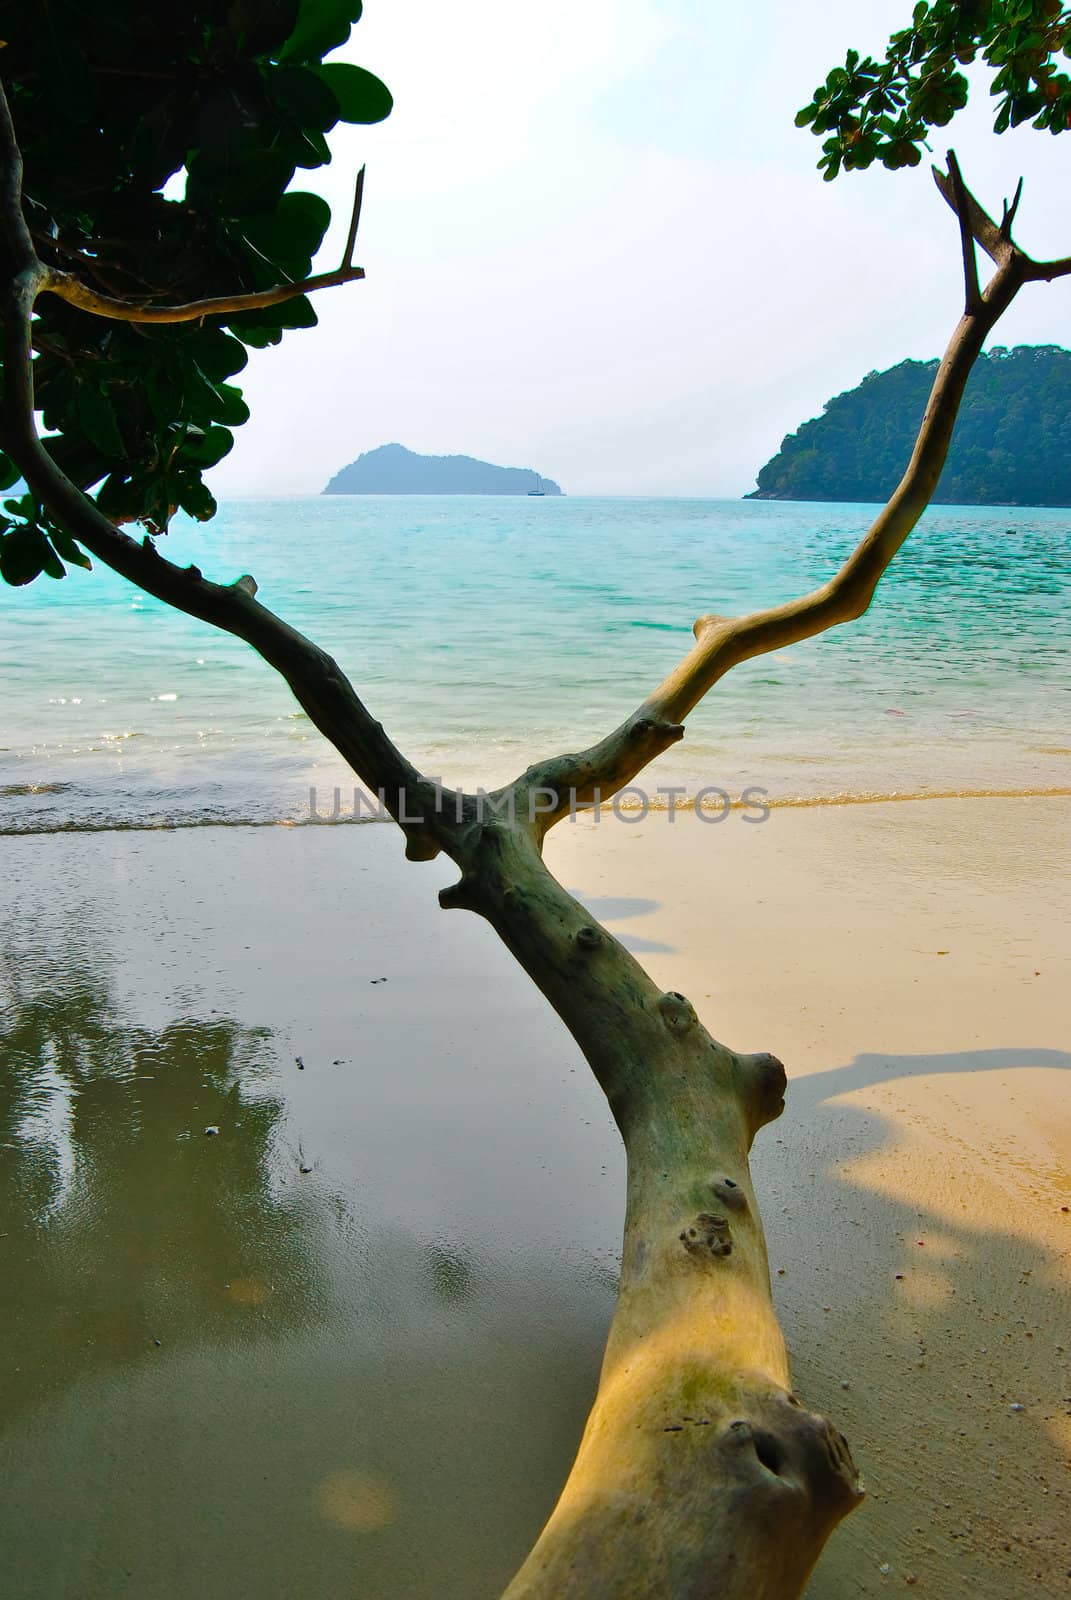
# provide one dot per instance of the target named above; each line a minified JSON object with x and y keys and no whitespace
{"x":380,"y":1290}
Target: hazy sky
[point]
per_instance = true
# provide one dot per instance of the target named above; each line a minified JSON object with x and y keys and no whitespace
{"x":597,"y":245}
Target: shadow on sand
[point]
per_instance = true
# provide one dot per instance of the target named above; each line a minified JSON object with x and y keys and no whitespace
{"x":946,"y":1359}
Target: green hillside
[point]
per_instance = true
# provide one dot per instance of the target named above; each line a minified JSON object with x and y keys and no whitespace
{"x":1010,"y":446}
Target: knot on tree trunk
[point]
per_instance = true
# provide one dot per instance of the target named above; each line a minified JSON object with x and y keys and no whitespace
{"x":706,"y":1495}
{"x":646,"y":727}
{"x":763,"y":1081}
{"x":730,"y":1193}
{"x":808,"y":1457}
{"x":419,"y":845}
{"x":707,"y":1236}
{"x":678,"y":1013}
{"x":460,"y":896}
{"x":588,"y":938}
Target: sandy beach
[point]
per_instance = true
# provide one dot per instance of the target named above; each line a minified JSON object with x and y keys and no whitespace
{"x":344,"y":1345}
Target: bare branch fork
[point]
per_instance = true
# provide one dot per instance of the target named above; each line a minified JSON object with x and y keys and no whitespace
{"x":961,"y":205}
{"x":723,"y":642}
{"x":699,"y":1472}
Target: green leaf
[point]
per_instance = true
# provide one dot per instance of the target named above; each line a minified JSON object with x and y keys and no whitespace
{"x":65,"y":546}
{"x":123,"y":496}
{"x":291,"y":235}
{"x":73,"y":453}
{"x":304,"y":95}
{"x":322,"y":25}
{"x":164,"y":395}
{"x":51,"y":565}
{"x":231,"y":408}
{"x":314,"y":150}
{"x":265,"y":326}
{"x":217,"y":354}
{"x":196,"y":500}
{"x":9,"y":473}
{"x":296,"y":313}
{"x":198,"y":395}
{"x":261,"y":25}
{"x":97,"y":419}
{"x":205,"y":448}
{"x":360,"y":94}
{"x":24,"y":553}
{"x":255,"y":335}
{"x":238,"y":184}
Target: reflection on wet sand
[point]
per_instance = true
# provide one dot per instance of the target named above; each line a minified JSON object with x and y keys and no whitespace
{"x":229,"y":1370}
{"x":128,"y":1229}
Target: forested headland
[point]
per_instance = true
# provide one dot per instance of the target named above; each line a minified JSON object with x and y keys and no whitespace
{"x":1009,"y":447}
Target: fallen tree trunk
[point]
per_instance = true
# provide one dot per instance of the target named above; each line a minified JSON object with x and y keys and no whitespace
{"x":699,"y":1472}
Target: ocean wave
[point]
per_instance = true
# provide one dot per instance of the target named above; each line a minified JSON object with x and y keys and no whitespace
{"x":657,"y":804}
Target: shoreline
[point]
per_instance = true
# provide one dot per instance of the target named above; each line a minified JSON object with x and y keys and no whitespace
{"x":688,"y":805}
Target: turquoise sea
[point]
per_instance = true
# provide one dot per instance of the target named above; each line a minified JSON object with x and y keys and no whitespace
{"x":485,"y":632}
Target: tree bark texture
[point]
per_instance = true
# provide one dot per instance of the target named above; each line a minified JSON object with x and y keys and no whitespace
{"x":699,"y":1473}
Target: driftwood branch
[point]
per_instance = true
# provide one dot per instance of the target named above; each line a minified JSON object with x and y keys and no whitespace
{"x":997,"y":246}
{"x":355,"y":220}
{"x":723,"y":642}
{"x":972,"y":291}
{"x":1046,"y":271}
{"x":995,"y":238}
{"x":699,"y":1473}
{"x":76,"y":293}
{"x":1009,"y":210}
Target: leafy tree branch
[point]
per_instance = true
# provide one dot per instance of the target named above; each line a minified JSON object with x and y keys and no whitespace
{"x":883,"y":110}
{"x":723,"y":642}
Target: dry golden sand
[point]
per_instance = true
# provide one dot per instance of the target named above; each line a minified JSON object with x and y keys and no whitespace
{"x":912,"y":966}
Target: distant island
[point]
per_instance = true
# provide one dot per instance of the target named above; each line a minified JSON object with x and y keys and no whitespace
{"x":1010,"y":447}
{"x":392,"y":469}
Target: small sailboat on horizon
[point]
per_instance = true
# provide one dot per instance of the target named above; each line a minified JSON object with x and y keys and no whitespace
{"x":539,"y":489}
